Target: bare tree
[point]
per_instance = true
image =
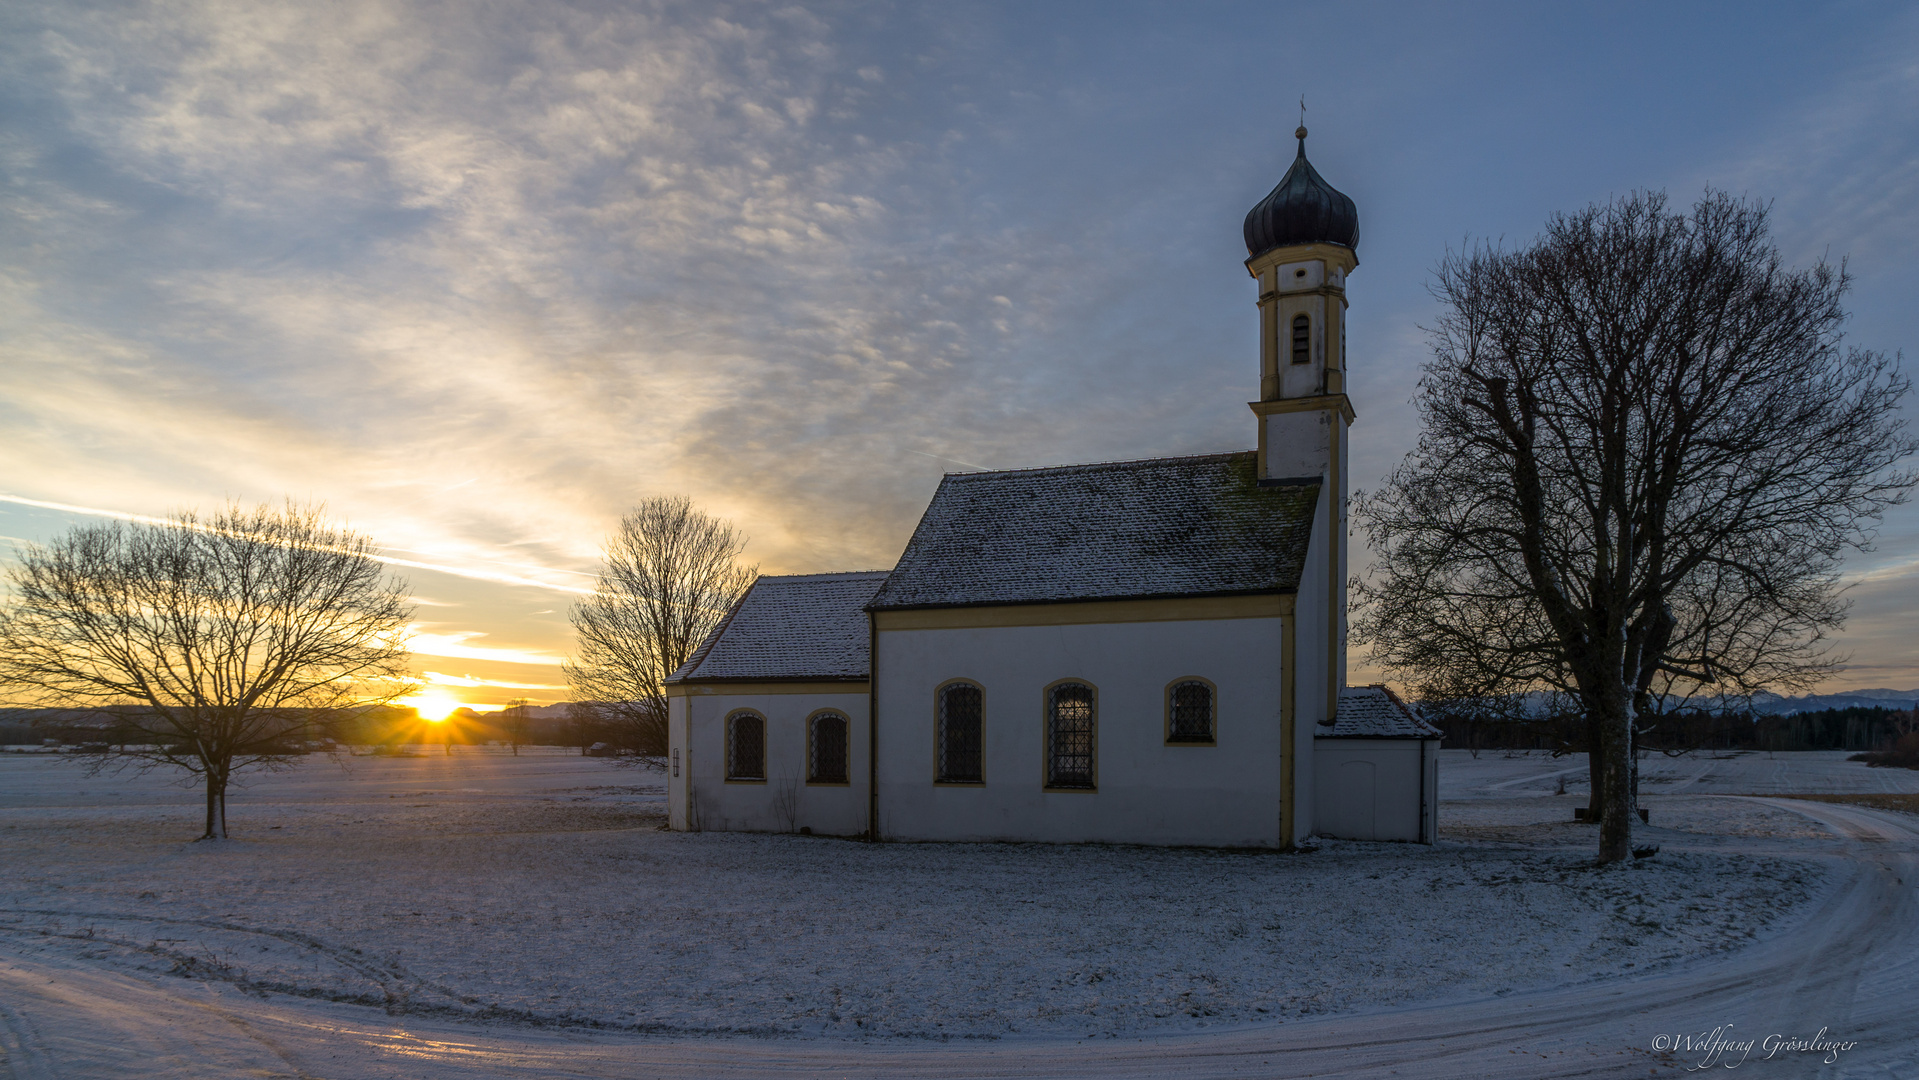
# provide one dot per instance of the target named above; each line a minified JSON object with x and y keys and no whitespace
{"x":514,"y":724}
{"x":207,"y":644}
{"x":582,"y":726}
{"x":670,"y":577}
{"x":1645,"y":450}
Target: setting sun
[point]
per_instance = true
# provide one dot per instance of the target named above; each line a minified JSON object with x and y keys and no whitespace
{"x":433,"y":705}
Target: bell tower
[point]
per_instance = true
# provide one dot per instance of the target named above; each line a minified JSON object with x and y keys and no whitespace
{"x":1301,"y":243}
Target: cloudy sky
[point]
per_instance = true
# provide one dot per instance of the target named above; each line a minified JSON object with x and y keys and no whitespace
{"x":480,"y":275}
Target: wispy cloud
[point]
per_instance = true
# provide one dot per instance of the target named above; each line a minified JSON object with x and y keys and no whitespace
{"x":455,"y":645}
{"x":436,"y":678}
{"x":474,"y":572}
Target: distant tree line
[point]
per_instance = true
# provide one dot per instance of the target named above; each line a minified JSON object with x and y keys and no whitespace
{"x":581,"y":726}
{"x":1854,"y":728}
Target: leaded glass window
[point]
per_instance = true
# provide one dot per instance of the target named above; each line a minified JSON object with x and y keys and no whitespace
{"x":1070,"y":733}
{"x":959,"y":734}
{"x":1189,"y":712}
{"x":828,"y":764}
{"x":745,"y":746}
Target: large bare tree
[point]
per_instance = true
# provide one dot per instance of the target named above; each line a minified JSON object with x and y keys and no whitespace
{"x":207,"y":644}
{"x":671,"y":573}
{"x":1646,"y":448}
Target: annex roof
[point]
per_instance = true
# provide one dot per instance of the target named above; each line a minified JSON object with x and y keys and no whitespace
{"x":1374,"y":712}
{"x":790,"y":627}
{"x":1192,"y":526}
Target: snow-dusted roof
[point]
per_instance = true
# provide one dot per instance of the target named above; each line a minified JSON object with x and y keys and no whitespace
{"x":797,"y":626}
{"x":1194,"y":526}
{"x":1374,"y":712}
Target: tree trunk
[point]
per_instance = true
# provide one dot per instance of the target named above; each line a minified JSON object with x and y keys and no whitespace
{"x":1615,"y":775}
{"x":216,"y":775}
{"x":1595,"y":773}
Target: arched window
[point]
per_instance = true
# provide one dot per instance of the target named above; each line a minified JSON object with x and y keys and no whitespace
{"x":1071,"y":730}
{"x":1302,"y":340}
{"x":826,"y":742}
{"x":960,"y":708}
{"x":1189,"y":711}
{"x":746,"y":746}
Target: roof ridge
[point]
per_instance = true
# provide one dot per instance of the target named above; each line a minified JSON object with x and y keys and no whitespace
{"x":825,"y":574}
{"x":1091,"y":465}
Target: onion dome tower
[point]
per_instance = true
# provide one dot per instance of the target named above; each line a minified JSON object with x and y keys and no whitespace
{"x":1303,"y":209}
{"x":1301,"y":242}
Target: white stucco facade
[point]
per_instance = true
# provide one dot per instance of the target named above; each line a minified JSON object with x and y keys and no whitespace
{"x":699,"y":795}
{"x":1148,"y":790}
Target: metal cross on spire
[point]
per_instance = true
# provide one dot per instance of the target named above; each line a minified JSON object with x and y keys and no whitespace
{"x":1301,"y":133}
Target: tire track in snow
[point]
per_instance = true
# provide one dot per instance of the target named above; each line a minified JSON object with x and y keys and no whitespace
{"x":398,"y":985}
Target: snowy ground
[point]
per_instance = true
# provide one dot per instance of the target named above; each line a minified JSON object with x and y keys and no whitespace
{"x":542,"y":889}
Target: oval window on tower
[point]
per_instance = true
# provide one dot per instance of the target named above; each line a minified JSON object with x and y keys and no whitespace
{"x":1302,"y":340}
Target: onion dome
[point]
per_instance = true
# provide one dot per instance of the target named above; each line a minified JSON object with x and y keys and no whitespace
{"x":1303,"y":209}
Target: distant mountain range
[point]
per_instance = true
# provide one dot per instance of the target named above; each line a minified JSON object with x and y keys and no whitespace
{"x":1774,"y":705}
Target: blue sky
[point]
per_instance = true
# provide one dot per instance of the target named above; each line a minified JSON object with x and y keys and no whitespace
{"x":481,"y":275}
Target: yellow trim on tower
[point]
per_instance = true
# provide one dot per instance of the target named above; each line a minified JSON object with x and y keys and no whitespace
{"x":1336,"y":254}
{"x":1264,"y":409}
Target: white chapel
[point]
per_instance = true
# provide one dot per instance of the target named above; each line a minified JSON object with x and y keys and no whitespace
{"x":1147,"y":652}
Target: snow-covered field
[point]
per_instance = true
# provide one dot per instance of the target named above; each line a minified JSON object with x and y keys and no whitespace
{"x":542,"y":888}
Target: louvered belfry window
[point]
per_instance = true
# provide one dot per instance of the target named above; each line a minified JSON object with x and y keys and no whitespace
{"x":828,"y":764}
{"x":1302,"y":340}
{"x":959,"y":734}
{"x":1070,"y":732}
{"x":745,"y":746}
{"x":1189,"y":712}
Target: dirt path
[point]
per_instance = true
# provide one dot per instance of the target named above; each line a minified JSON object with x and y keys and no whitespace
{"x":1851,"y":969}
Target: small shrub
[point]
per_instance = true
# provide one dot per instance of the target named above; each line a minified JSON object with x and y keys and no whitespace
{"x":1900,"y":753}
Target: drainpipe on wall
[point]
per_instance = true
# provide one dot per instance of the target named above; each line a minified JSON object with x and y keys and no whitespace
{"x":872,"y":727}
{"x":1288,"y":708}
{"x":1422,"y":793}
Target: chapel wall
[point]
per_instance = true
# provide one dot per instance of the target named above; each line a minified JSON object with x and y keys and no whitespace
{"x":1226,"y":794}
{"x":701,"y":798}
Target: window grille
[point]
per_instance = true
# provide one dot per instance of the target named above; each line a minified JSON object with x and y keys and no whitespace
{"x":1302,"y":340}
{"x":959,"y":742}
{"x":745,"y":747}
{"x":1070,"y":723}
{"x":1189,"y":712}
{"x":828,"y":765}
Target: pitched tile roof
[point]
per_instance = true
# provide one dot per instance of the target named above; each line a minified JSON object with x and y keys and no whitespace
{"x":1374,"y":712}
{"x":1194,"y":526}
{"x":796,"y":626}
